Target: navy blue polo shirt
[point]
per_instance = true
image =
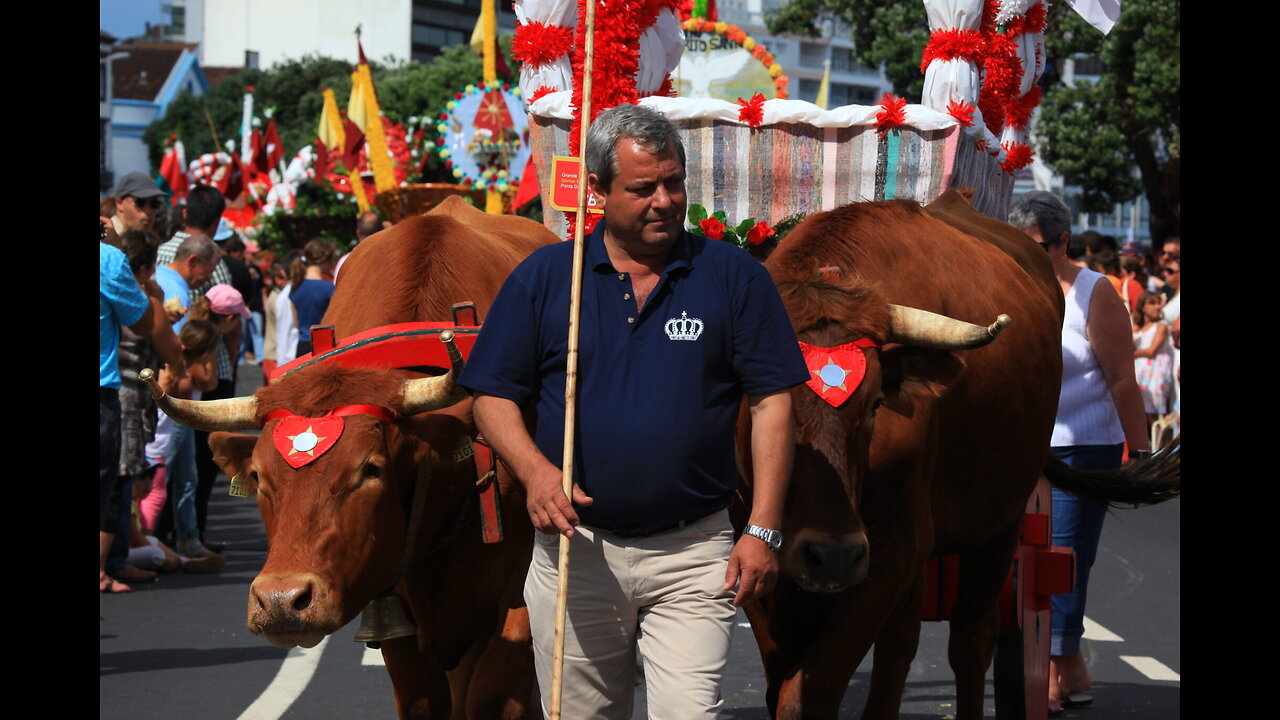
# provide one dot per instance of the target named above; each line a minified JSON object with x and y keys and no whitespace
{"x":658,"y":388}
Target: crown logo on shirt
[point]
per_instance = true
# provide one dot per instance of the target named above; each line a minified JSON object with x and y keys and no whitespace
{"x":684,"y":328}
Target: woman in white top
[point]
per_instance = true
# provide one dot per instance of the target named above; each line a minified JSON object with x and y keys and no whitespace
{"x":1099,"y":409}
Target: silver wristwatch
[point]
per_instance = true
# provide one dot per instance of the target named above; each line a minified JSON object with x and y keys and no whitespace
{"x":772,"y":538}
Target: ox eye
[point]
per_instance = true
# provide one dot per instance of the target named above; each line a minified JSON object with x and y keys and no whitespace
{"x":372,"y":470}
{"x":877,"y":404}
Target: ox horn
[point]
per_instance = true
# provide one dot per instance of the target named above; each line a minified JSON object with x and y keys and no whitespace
{"x":427,"y":394}
{"x":911,"y":326}
{"x":210,"y":415}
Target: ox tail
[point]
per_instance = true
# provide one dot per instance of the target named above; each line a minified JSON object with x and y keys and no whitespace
{"x":1145,"y":482}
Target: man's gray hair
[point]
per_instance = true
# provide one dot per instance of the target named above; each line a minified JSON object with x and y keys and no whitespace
{"x":645,"y":125}
{"x":199,"y":245}
{"x":1044,"y":210}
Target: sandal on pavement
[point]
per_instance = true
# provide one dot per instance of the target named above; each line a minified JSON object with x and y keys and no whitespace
{"x":1077,"y":700}
{"x":111,"y":586}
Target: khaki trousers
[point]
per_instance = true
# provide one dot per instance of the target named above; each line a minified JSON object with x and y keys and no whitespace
{"x":663,"y":593}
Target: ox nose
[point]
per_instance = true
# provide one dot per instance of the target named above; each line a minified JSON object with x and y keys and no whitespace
{"x":832,"y":568}
{"x":283,"y":601}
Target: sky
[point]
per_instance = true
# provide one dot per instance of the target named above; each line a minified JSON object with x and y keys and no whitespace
{"x":127,"y":18}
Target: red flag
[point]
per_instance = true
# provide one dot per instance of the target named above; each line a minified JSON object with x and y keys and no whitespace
{"x":258,"y":158}
{"x":351,"y":148}
{"x":323,"y":165}
{"x":173,"y":172}
{"x":233,"y":184}
{"x":528,"y":189}
{"x":275,"y":149}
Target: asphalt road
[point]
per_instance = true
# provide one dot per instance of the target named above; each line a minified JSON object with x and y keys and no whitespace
{"x":178,"y":647}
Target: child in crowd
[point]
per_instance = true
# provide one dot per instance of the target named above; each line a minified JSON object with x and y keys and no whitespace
{"x":286,"y":316}
{"x":174,"y":445}
{"x":1152,"y":355}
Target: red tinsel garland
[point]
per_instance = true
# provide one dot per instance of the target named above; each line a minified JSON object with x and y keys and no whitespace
{"x":539,"y":44}
{"x":1020,"y":109}
{"x":953,"y":43}
{"x":1018,"y":156}
{"x":962,"y":112}
{"x":893,"y":112}
{"x":752,"y":111}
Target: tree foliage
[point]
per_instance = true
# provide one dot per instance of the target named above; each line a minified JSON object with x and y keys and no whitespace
{"x":888,"y":32}
{"x":1093,"y":134}
{"x":1096,"y":134}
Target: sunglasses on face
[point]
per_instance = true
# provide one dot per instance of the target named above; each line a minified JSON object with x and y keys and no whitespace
{"x":154,"y":203}
{"x":1172,"y":256}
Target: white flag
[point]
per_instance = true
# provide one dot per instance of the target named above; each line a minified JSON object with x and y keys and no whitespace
{"x":1101,"y":14}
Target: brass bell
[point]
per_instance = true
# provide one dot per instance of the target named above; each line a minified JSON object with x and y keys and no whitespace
{"x":384,"y":618}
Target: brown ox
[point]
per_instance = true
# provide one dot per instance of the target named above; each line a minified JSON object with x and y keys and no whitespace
{"x":337,"y":528}
{"x":934,"y":454}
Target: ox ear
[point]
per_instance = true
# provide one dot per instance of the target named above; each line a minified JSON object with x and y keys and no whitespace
{"x":232,"y":452}
{"x":915,"y":371}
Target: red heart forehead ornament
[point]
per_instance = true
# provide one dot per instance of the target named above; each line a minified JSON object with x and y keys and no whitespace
{"x":300,"y":440}
{"x":835,"y":373}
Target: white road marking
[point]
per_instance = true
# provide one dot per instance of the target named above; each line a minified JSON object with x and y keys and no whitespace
{"x":1152,"y":668}
{"x":372,"y":657}
{"x":1094,"y":631}
{"x":295,"y":672}
{"x":745,"y":624}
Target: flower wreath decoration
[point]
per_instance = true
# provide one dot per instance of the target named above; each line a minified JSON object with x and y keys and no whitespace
{"x":755,"y":237}
{"x":736,"y":34}
{"x":489,"y":154}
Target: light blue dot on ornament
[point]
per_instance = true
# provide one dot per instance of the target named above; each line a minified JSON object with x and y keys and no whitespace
{"x":832,"y":375}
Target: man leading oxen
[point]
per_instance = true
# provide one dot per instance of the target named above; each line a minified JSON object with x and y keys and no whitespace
{"x":365,"y":481}
{"x":919,"y":436}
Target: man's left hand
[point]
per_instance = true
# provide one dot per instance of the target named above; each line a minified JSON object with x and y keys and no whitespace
{"x":753,"y":567}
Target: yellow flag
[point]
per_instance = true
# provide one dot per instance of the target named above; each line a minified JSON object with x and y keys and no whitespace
{"x":825,"y":88}
{"x":363,"y":110}
{"x":356,"y":109}
{"x":331,"y":132}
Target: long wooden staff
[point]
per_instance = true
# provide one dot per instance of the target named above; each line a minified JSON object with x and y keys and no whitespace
{"x":571,"y":365}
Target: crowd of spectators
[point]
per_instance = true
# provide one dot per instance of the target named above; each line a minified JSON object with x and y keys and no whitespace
{"x":183,"y":293}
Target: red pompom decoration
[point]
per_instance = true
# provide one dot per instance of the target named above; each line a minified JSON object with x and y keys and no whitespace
{"x":543,"y":90}
{"x":752,"y":111}
{"x":952,"y":44}
{"x":1017,"y":156}
{"x":539,"y":44}
{"x":961,"y":111}
{"x":893,"y":112}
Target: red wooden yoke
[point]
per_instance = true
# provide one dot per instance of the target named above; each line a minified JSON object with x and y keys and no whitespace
{"x":400,"y":345}
{"x":414,"y":345}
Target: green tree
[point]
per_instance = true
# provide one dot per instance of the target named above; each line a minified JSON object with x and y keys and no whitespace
{"x":888,"y":32}
{"x":1096,"y":135}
